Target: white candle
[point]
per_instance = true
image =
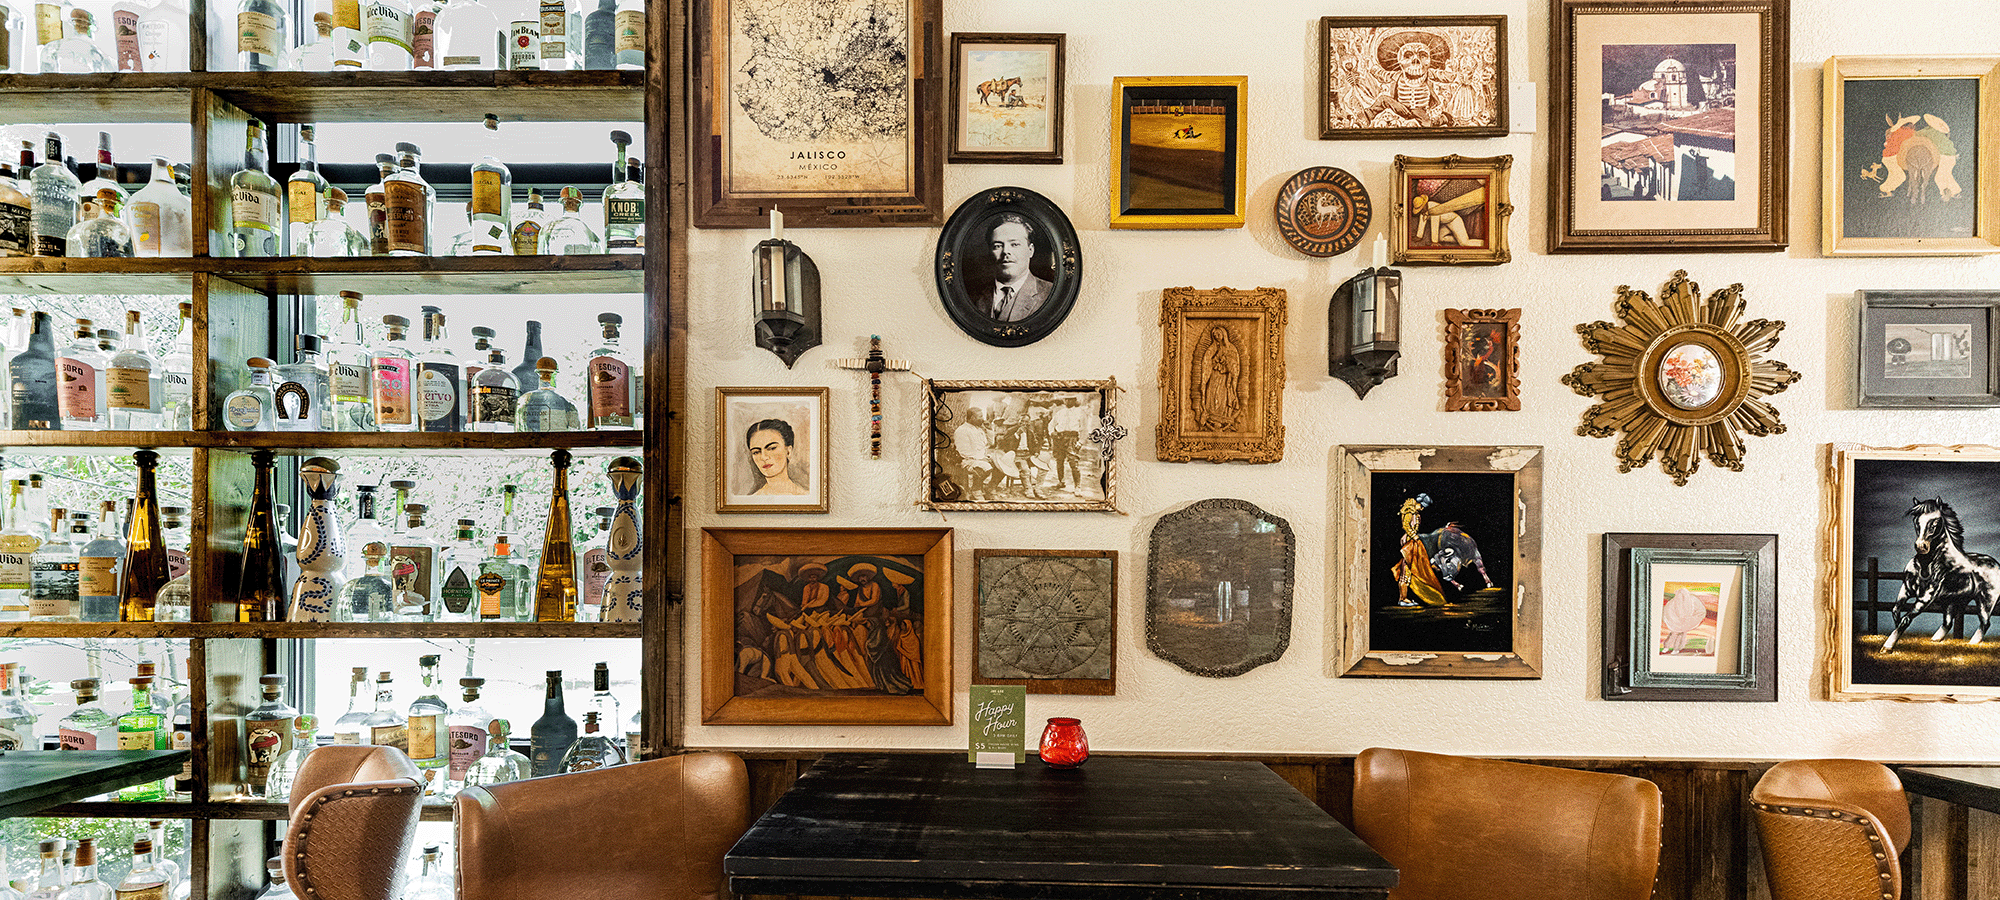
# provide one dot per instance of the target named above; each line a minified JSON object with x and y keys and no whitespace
{"x":1381,"y":254}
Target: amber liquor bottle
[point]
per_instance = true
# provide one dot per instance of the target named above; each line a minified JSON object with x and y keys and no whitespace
{"x":555,"y":583}
{"x":260,"y":593}
{"x":145,"y":570}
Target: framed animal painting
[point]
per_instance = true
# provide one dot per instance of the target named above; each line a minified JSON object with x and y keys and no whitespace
{"x":1691,"y":617}
{"x":1006,"y":98}
{"x":1412,"y":76}
{"x":1912,"y":144}
{"x":1439,"y":557}
{"x":1911,"y":596}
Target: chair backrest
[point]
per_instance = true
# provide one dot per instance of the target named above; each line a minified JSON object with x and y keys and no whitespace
{"x":1459,"y":828}
{"x":353,"y":815}
{"x":1832,"y":829}
{"x":658,"y":829}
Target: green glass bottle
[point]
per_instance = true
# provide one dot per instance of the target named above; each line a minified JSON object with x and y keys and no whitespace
{"x":141,"y":729}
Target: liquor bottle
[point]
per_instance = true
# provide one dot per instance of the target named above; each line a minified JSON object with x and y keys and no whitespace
{"x":624,"y":202}
{"x":175,"y":601}
{"x":349,"y":369}
{"x":38,"y":505}
{"x":52,"y":579}
{"x":82,"y":366}
{"x":89,"y":727}
{"x":146,"y":880}
{"x":256,"y":208}
{"x":390,"y":32}
{"x":397,"y":508}
{"x":352,"y":726}
{"x":600,"y":36}
{"x":17,"y":550}
{"x":268,"y":733}
{"x":274,"y":871}
{"x":262,"y":36}
{"x":83,"y":881}
{"x":128,"y":381}
{"x":301,"y":389}
{"x":322,"y":546}
{"x":141,"y":729}
{"x":124,"y":37}
{"x":350,"y":42}
{"x":97,"y":576}
{"x":145,"y":569}
{"x":501,"y":763}
{"x":555,"y":49}
{"x":161,"y":218}
{"x":303,"y":191}
{"x":13,"y":58}
{"x":104,"y":234}
{"x":492,"y":202}
{"x":430,"y":737}
{"x":595,"y":568}
{"x":386,"y":725}
{"x":531,"y":232}
{"x":423,"y":33}
{"x":377,"y":200}
{"x":410,"y":202}
{"x":506,"y":525}
{"x":317,"y":54}
{"x":430,"y":881}
{"x":333,"y":235}
{"x":34,"y":383}
{"x":610,"y":380}
{"x":593,"y":750}
{"x":284,"y":769}
{"x":440,"y":403}
{"x":16,"y":211}
{"x":18,"y":722}
{"x":254,"y":406}
{"x":177,"y":375}
{"x":551,"y":734}
{"x":544,"y":409}
{"x":531,"y":354}
{"x":467,"y":726}
{"x":366,"y":534}
{"x":48,"y":882}
{"x":635,"y":744}
{"x":629,"y":41}
{"x":624,"y":550}
{"x":163,"y":38}
{"x":465,"y":35}
{"x":555,"y":582}
{"x":413,"y":567}
{"x":77,"y":52}
{"x":53,"y":189}
{"x":260,"y":589}
{"x":392,"y":377}
{"x":156,"y":831}
{"x":602,"y":701}
{"x":106,"y":172}
{"x":499,"y":583}
{"x":462,"y":560}
{"x":495,"y":402}
{"x":482,"y":345}
{"x":369,"y":596}
{"x":569,"y":234}
{"x":524,"y":41}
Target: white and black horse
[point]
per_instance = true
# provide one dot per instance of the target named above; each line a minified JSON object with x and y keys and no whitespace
{"x":1942,"y":577}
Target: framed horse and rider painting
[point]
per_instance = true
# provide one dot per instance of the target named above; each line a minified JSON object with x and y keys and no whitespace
{"x":1439,"y":556}
{"x":1912,"y":145}
{"x":1670,"y":124}
{"x":1006,"y":98}
{"x":1914,"y":585}
{"x":1412,"y":76}
{"x":1691,"y":617}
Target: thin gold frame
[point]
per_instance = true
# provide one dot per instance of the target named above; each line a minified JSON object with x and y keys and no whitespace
{"x":1239,"y":141}
{"x":1837,"y":72}
{"x":1496,"y":210}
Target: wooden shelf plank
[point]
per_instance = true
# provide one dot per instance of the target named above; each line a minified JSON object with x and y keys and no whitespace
{"x":598,"y":274}
{"x":424,"y":95}
{"x":46,"y":275}
{"x":461,"y":443}
{"x":100,"y":98}
{"x":309,"y":630}
{"x":101,"y":443}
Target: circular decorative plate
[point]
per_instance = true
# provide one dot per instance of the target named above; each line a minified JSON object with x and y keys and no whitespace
{"x":1323,"y":211}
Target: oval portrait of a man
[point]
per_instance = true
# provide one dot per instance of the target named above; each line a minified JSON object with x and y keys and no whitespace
{"x":1008,"y":266}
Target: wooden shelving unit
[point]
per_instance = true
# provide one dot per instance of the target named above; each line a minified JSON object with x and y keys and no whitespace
{"x":238,"y":310}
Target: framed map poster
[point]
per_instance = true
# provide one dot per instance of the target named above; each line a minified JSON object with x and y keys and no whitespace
{"x":826,"y":111}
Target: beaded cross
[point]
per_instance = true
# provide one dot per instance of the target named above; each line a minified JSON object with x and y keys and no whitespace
{"x":874,"y":364}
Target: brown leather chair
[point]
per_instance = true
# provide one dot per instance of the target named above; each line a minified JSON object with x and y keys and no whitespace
{"x":656,"y":829}
{"x":1832,"y":829}
{"x":353,"y":815}
{"x":1459,"y":828}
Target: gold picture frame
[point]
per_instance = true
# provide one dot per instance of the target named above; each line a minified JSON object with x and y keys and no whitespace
{"x":1450,"y":210}
{"x":1482,"y":360}
{"x":1222,"y":375}
{"x":748,"y":470}
{"x":1871,"y":208}
{"x":1183,"y":144}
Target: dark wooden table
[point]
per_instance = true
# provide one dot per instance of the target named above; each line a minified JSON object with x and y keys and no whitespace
{"x":33,"y":781}
{"x":1974,"y":786}
{"x":933,"y":825}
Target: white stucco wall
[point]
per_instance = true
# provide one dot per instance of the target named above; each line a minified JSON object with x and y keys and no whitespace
{"x":881,"y":281}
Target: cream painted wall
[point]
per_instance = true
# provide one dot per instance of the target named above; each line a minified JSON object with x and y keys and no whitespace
{"x":880,"y":281}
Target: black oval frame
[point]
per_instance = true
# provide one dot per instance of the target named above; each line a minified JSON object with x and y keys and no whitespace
{"x":959,"y":262}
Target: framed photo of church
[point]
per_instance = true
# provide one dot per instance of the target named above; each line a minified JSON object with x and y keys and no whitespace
{"x":1670,"y":125}
{"x":1911,"y":145}
{"x":1412,"y":76}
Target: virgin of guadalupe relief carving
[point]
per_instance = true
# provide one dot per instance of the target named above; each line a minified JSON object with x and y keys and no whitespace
{"x":1222,"y":374}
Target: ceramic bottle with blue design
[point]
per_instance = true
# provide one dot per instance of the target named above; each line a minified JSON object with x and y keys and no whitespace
{"x":625,"y":588}
{"x":322,"y":546}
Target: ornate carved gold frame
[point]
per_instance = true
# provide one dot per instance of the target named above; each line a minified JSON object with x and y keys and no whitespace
{"x":1493,"y":212}
{"x":1221,"y":404}
{"x":1629,"y":378}
{"x":1459,"y":357}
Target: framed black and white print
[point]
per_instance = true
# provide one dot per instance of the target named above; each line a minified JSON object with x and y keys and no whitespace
{"x":1008,"y":266}
{"x":1927,"y":349}
{"x":1412,"y":76}
{"x":1021,"y":446}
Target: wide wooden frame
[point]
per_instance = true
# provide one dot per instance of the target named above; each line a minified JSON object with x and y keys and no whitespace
{"x":1463,"y":328}
{"x":1578,"y":219}
{"x":1498,"y":89}
{"x":1977,"y":311}
{"x":817,"y":201}
{"x":1234,"y":90}
{"x":1629,"y":562}
{"x":720,"y":704}
{"x":1257,"y":427}
{"x":1984,"y":194}
{"x":955,"y":100}
{"x":1840,"y":564}
{"x":938,"y":416}
{"x":1407,"y":205}
{"x":1351,"y":610}
{"x":728,"y":442}
{"x":983,"y":614}
{"x":965,"y":264}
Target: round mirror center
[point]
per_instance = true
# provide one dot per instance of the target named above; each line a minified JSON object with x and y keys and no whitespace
{"x":1690,"y":376}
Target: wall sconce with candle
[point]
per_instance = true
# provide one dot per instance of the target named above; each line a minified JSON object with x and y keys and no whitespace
{"x":1363,"y":327}
{"x":787,"y":295}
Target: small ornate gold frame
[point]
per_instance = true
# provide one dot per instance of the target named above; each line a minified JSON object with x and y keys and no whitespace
{"x":1489,"y":210}
{"x":1635,"y":401}
{"x":1464,"y":329}
{"x":1221,"y":403}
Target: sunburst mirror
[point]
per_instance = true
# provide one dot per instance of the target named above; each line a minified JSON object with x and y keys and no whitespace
{"x":1682,"y":377}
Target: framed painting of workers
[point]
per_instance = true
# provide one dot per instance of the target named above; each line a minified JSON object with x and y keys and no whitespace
{"x":1670,"y":125}
{"x":1450,"y":211}
{"x":1912,"y":156}
{"x":1222,"y":375}
{"x":826,"y":626}
{"x":1422,"y":77}
{"x":770,"y":450}
{"x":1021,"y":446}
{"x":1008,"y":266}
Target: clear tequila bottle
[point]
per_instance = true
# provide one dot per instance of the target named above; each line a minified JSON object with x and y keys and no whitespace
{"x":465,"y":31}
{"x":569,"y":234}
{"x":629,"y":38}
{"x":53,"y":189}
{"x":177,"y":376}
{"x":531,"y":232}
{"x":254,"y":407}
{"x":161,"y":217}
{"x":492,"y":202}
{"x":263,"y":35}
{"x":303,"y":193}
{"x":256,"y":208}
{"x":595,"y":749}
{"x":501,"y":763}
{"x":410,"y":204}
{"x":351,"y":727}
{"x":350,"y":43}
{"x":76,"y":53}
{"x":17,"y":551}
{"x":317,"y":54}
{"x":302,"y":387}
{"x":387,"y":726}
{"x":19,"y":725}
{"x":377,"y":200}
{"x":52,"y":579}
{"x":467,"y":742}
{"x":98,"y":567}
{"x":500,"y":583}
{"x":333,"y":235}
{"x":163,"y":37}
{"x":49,"y":881}
{"x":430,"y":881}
{"x":544,"y":409}
{"x":89,"y":727}
{"x":267,"y":734}
{"x":415,"y":564}
{"x":495,"y":401}
{"x":177,"y":887}
{"x":624,"y":203}
{"x":13,"y":51}
{"x":129,"y":381}
{"x":610,"y":380}
{"x":365,"y":533}
{"x":82,"y":367}
{"x":391,"y":30}
{"x":147,"y":879}
{"x":350,"y":368}
{"x":83,"y":881}
{"x":423,"y":33}
{"x":102,"y":234}
{"x":602,"y":701}
{"x":393,"y":378}
{"x":175,"y":601}
{"x":284,"y":771}
{"x":369,"y":596}
{"x":461,"y":565}
{"x":440,"y":391}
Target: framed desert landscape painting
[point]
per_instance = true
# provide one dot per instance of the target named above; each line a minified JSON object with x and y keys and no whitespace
{"x":1412,"y":76}
{"x":1182,"y":151}
{"x":1911,"y":145}
{"x":1222,"y":375}
{"x":1006,"y":98}
{"x":1670,"y":125}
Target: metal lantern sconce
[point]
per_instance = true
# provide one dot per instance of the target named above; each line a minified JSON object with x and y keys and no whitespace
{"x":787,"y":296}
{"x":1363,"y":325}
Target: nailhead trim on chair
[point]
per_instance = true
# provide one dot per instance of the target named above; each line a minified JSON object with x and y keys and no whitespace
{"x":305,"y":822}
{"x":1868,"y":828}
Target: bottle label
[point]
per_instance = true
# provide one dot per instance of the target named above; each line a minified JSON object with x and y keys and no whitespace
{"x":631,"y":27}
{"x":487,"y":194}
{"x":397,"y":736}
{"x":294,"y":403}
{"x":491,"y":586}
{"x":125,"y":29}
{"x":53,"y":588}
{"x":304,"y":197}
{"x":423,"y":739}
{"x":16,"y":230}
{"x":403,"y":220}
{"x":347,"y":737}
{"x":410,"y":569}
{"x":610,"y":392}
{"x":136,"y":740}
{"x":17,"y":552}
{"x":183,"y":739}
{"x":555,"y":30}
{"x":457,"y":596}
{"x":177,"y":563}
{"x":79,"y":389}
{"x":469,"y":62}
{"x":153,"y":49}
{"x":350,"y":383}
{"x":468,"y":744}
{"x":392,"y":391}
{"x":347,"y":14}
{"x":423,"y":39}
{"x":524,"y":45}
{"x":388,"y":25}
{"x":97,"y":576}
{"x":249,"y":208}
{"x":550,"y":420}
{"x":493,"y":404}
{"x":625,"y":211}
{"x":48,"y":22}
{"x":437,"y":392}
{"x":72,"y":739}
{"x":257,"y":33}
{"x":267,"y":740}
{"x":128,"y":388}
{"x":145,"y":227}
{"x":596,"y":571}
{"x":149,"y":892}
{"x":243,"y":412}
{"x":527,"y":238}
